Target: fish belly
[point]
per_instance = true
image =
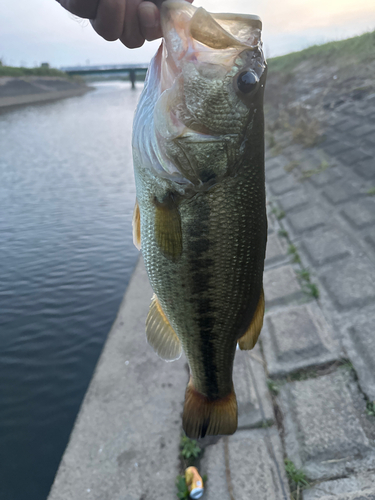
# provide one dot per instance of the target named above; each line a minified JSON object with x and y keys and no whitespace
{"x":210,"y":292}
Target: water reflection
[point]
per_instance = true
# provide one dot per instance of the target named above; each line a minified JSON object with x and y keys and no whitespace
{"x":66,"y":201}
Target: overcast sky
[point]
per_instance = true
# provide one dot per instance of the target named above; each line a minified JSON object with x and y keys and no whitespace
{"x":35,"y":31}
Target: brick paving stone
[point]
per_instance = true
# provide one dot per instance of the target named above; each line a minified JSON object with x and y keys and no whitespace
{"x":213,"y":465}
{"x":368,"y":142}
{"x":370,"y":238}
{"x":281,"y":286}
{"x":337,"y":148}
{"x":345,"y":126}
{"x":283,"y":185}
{"x":297,"y":338}
{"x":361,"y":484}
{"x":366,"y":168}
{"x":354,"y":156}
{"x":326,"y":247}
{"x":307,"y":220}
{"x":359,"y":495}
{"x":276,"y":162}
{"x":325,"y":428}
{"x":329,"y":176}
{"x":360,"y":213}
{"x":360,"y":346}
{"x":340,"y":192}
{"x":364,"y":130}
{"x":275,"y":174}
{"x":253,"y":399}
{"x":255,"y":465}
{"x":350,"y":283}
{"x":293,"y":201}
{"x":276,"y":250}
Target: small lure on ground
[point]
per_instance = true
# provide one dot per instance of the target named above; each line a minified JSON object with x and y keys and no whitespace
{"x":194,"y":482}
{"x":200,"y":217}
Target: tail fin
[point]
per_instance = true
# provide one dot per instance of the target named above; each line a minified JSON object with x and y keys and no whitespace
{"x":203,"y":416}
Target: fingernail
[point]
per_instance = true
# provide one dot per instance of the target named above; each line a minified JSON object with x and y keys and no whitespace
{"x":149,"y":15}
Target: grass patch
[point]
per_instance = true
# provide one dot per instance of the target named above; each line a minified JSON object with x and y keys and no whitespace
{"x":293,"y":252}
{"x":279,"y":214}
{"x":190,"y":450}
{"x":370,"y":408}
{"x":308,"y":288}
{"x":273,"y":387}
{"x":306,"y":174}
{"x":291,"y":166}
{"x":182,"y":489}
{"x":283,"y":233}
{"x":304,"y":274}
{"x":371,"y":191}
{"x":311,"y":289}
{"x":297,"y":479}
{"x":40,"y":71}
{"x":307,"y":132}
{"x":358,"y":49}
{"x":190,"y":453}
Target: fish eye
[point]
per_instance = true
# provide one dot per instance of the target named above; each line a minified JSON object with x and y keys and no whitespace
{"x":247,"y":81}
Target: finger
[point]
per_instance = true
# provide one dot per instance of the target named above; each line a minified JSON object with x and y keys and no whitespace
{"x":131,"y":35}
{"x":81,"y":8}
{"x":109,"y":19}
{"x":149,"y":20}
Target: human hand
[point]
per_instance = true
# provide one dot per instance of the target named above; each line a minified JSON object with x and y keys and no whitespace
{"x":131,"y":21}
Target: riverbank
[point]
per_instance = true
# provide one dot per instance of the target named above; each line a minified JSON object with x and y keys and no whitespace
{"x":18,"y":91}
{"x":306,"y":394}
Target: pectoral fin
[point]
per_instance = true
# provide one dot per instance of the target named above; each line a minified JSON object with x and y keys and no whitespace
{"x":160,"y":334}
{"x":136,"y":226}
{"x":250,"y":337}
{"x":168,"y":232}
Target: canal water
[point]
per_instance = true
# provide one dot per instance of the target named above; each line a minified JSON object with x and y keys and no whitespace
{"x":66,"y":255}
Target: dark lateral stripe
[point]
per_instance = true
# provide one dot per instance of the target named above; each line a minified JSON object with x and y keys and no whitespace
{"x":201,"y":277}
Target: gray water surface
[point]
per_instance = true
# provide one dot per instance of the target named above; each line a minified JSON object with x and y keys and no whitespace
{"x":66,"y":201}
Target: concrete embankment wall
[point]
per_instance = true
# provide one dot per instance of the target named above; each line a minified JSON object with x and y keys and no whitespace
{"x":36,"y":89}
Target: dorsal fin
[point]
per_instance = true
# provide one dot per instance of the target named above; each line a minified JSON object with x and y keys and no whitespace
{"x":160,"y":334}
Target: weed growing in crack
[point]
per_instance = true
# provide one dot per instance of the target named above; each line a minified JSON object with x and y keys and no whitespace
{"x":370,"y":408}
{"x":312,"y":290}
{"x":306,"y":174}
{"x":273,"y":387}
{"x":182,"y":489}
{"x":190,"y":453}
{"x":283,"y":233}
{"x":371,"y":192}
{"x":297,"y":479}
{"x":304,"y":274}
{"x":293,"y":252}
{"x":190,"y":450}
{"x":279,"y":214}
{"x":291,"y":166}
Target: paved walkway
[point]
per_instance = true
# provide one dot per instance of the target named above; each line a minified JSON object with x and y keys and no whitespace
{"x":305,"y":393}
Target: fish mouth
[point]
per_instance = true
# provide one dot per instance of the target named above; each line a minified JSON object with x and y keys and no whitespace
{"x":192,"y":34}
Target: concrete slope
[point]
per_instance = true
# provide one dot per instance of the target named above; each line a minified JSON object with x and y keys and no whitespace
{"x":125,"y":441}
{"x":33,"y":89}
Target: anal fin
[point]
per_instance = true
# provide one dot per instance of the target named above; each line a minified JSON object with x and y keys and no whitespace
{"x":136,"y":226}
{"x":206,"y":417}
{"x":160,"y":334}
{"x":250,"y":337}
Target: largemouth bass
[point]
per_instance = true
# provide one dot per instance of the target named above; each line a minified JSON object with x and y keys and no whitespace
{"x":200,"y":217}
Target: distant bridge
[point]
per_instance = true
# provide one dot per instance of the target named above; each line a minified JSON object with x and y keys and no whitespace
{"x":130,"y":69}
